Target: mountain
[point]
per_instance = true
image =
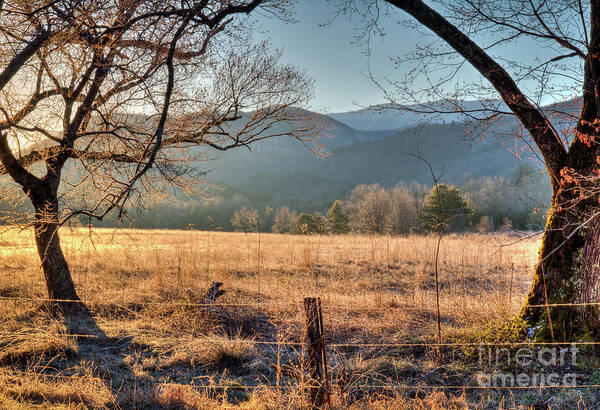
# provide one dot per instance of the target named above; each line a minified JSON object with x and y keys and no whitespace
{"x":333,"y":133}
{"x":282,"y":171}
{"x":382,"y":150}
{"x":386,"y":117}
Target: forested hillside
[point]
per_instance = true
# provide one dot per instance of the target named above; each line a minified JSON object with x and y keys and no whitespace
{"x":283,"y":172}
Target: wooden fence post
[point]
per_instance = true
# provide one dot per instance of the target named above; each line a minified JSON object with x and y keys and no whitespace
{"x":317,"y":358}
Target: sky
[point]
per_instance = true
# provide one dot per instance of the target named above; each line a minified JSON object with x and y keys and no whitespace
{"x":329,"y":56}
{"x":339,"y":65}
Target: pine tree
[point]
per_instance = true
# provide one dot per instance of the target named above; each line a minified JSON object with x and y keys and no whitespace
{"x":445,"y":208}
{"x":338,"y":221}
{"x":311,"y":224}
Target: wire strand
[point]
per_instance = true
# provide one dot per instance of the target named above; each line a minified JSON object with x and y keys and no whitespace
{"x":353,"y":387}
{"x":159,"y":337}
{"x":269,"y":304}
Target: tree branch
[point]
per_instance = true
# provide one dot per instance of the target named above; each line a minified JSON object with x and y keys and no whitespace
{"x":542,"y":132}
{"x":15,"y":168}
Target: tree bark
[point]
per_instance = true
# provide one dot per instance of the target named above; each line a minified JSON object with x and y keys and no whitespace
{"x":54,"y":265}
{"x":568,"y":273}
{"x":569,"y":268}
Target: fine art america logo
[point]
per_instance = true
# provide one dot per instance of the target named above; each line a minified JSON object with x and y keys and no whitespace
{"x":548,"y":367}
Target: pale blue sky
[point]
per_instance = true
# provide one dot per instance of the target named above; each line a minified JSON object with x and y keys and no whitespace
{"x":337,"y":65}
{"x":330,"y":57}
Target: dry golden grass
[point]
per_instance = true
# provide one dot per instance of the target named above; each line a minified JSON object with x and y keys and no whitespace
{"x":152,"y":347}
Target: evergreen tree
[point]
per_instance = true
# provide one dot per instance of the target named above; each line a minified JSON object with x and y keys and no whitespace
{"x":338,"y":221}
{"x":311,"y":224}
{"x":445,"y":208}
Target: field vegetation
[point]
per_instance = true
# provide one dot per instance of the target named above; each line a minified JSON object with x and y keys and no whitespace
{"x":152,"y":344}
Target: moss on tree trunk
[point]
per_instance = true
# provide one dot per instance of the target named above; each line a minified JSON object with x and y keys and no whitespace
{"x":567,"y":273}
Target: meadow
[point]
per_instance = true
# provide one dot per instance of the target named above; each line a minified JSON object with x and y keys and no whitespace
{"x":152,"y":344}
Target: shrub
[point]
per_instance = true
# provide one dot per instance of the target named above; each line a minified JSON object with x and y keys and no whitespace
{"x":245,"y":219}
{"x":311,"y":224}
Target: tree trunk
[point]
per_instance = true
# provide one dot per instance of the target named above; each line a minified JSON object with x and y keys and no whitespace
{"x":568,"y":272}
{"x":54,"y":265}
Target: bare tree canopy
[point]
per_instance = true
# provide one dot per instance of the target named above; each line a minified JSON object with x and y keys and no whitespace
{"x":559,"y":42}
{"x":103,"y":101}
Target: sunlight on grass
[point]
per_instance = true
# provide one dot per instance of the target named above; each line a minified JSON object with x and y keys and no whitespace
{"x":159,"y":348}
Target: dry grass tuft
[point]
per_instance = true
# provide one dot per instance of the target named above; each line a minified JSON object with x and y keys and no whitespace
{"x":48,"y":392}
{"x":178,"y":396}
{"x":38,"y":347}
{"x":216,"y":353}
{"x":434,"y":401}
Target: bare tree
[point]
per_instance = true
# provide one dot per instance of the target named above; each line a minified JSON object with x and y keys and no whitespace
{"x":377,"y":210}
{"x":103,"y":102}
{"x":561,"y":59}
{"x":245,"y":219}
{"x":284,"y":220}
{"x":369,"y":208}
{"x":403,"y":218}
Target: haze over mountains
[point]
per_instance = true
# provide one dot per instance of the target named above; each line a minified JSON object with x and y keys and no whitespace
{"x":386,"y":117}
{"x":364,"y":147}
{"x":368,"y":147}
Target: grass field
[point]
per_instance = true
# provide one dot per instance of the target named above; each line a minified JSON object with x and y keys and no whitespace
{"x":150,"y":346}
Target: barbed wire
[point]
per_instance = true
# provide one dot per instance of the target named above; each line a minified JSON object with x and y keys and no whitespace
{"x":159,"y":337}
{"x":13,"y":372}
{"x":388,"y":386}
{"x":267,"y":304}
{"x":465,"y":344}
{"x":401,"y":387}
{"x":30,"y":335}
{"x":416,"y":387}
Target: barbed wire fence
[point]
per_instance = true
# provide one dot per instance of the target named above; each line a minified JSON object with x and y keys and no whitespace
{"x":313,"y":343}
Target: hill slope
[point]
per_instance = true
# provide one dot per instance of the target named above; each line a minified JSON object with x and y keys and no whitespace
{"x":283,"y":172}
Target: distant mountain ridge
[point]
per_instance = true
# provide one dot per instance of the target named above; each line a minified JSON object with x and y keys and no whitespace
{"x":282,"y":172}
{"x":388,"y":117}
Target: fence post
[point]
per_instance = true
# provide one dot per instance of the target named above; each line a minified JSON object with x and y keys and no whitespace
{"x":317,"y":358}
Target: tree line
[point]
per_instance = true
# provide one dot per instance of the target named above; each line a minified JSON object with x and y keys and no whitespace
{"x":478,"y":204}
